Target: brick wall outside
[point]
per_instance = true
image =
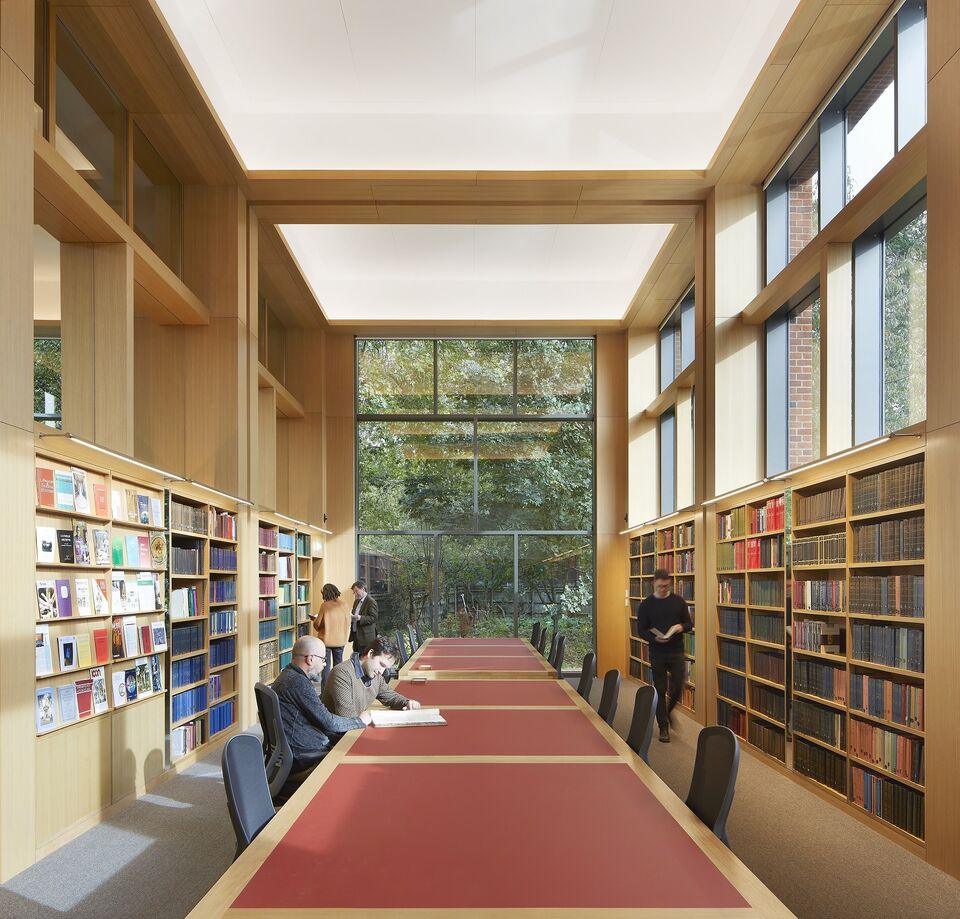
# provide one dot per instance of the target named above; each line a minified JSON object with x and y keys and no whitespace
{"x":803,"y":386}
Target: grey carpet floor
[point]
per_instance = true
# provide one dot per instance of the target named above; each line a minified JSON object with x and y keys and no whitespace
{"x":159,"y":857}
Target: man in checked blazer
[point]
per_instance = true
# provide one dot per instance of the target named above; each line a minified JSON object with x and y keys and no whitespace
{"x":363,"y":618}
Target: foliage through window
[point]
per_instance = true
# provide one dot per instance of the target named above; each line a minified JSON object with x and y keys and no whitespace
{"x":47,"y":397}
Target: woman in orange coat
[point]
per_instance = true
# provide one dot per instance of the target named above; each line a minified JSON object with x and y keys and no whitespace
{"x":332,"y":625}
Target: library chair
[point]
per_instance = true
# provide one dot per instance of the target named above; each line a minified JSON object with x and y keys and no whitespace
{"x":542,"y":641}
{"x":416,"y":630}
{"x":641,"y":727}
{"x":412,"y":635}
{"x":714,"y":778}
{"x":278,"y":757}
{"x":535,"y":634}
{"x":588,"y":671}
{"x":553,"y":646}
{"x":557,"y":661}
{"x":248,"y":794}
{"x":401,"y":647}
{"x":607,"y":709}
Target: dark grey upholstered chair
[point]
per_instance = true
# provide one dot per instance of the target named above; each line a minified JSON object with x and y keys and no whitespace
{"x":641,"y":727}
{"x":401,"y":647}
{"x":553,"y":647}
{"x":277,"y":755}
{"x":412,"y":635}
{"x":587,"y":673}
{"x":557,"y":661}
{"x":714,"y":778}
{"x":248,"y":794}
{"x":535,"y":634}
{"x":611,"y":695}
{"x":416,"y":631}
{"x":542,"y":643}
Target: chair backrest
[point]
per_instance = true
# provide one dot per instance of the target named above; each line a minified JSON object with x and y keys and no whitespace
{"x":248,"y":794}
{"x":414,"y":644}
{"x":641,"y":727}
{"x":535,"y":634}
{"x":557,"y":662}
{"x":277,"y":755}
{"x":610,"y":696}
{"x":401,"y":648}
{"x":587,"y":672}
{"x":416,"y":631}
{"x":553,"y":647}
{"x":714,"y":778}
{"x":542,"y":641}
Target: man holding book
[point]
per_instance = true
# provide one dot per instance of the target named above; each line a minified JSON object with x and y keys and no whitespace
{"x":355,"y":683}
{"x":662,"y":618}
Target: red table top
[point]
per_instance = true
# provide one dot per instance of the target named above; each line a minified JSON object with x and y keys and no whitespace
{"x":476,"y":643}
{"x":485,"y":732}
{"x":484,"y":692}
{"x":493,"y":664}
{"x":494,"y":835}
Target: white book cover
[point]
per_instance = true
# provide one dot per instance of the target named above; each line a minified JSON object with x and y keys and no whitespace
{"x":67,"y":697}
{"x":421,"y":717}
{"x":80,"y":499}
{"x":131,"y":636}
{"x":147,"y":591}
{"x":47,"y":545}
{"x":44,"y":651}
{"x":158,"y":631}
{"x":99,"y":597}
{"x":46,"y":710}
{"x":100,"y":703}
{"x":118,"y":594}
{"x":132,"y":594}
{"x":101,"y":547}
{"x":178,"y":603}
{"x":47,"y":599}
{"x":119,"y":680}
{"x":156,"y":512}
{"x":81,"y":588}
{"x":67,"y":645}
{"x":116,"y":504}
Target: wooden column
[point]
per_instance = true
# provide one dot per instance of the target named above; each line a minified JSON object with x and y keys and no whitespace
{"x":942,"y":632}
{"x":267,"y":448}
{"x":642,"y":431}
{"x":17,"y":743}
{"x":836,"y":348}
{"x":340,"y":449}
{"x":96,"y":296}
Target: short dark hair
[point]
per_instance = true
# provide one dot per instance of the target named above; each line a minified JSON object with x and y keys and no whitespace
{"x":359,"y":584}
{"x":661,"y":574}
{"x":330,"y":592}
{"x":381,"y":646}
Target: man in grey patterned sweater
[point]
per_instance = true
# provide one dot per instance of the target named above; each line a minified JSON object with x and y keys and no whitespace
{"x":353,"y":684}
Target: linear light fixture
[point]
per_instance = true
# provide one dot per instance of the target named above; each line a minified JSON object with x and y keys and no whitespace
{"x":299,"y":523}
{"x":222,"y":494}
{"x":792,"y":472}
{"x":120,"y":456}
{"x":647,"y":523}
{"x":321,"y":529}
{"x":735,"y":491}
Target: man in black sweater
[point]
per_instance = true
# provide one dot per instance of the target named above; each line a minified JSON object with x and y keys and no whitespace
{"x":661,"y":619}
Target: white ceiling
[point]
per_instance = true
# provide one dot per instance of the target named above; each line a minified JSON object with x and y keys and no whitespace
{"x":366,"y":272}
{"x":476,"y":84}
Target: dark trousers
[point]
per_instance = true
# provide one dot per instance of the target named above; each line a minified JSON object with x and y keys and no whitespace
{"x":668,"y":681}
{"x":334,"y":656}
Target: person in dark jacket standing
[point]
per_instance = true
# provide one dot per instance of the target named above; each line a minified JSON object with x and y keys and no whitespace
{"x":661,"y":619}
{"x":363,"y":618}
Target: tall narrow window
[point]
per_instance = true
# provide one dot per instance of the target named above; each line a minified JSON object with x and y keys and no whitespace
{"x":47,"y":398}
{"x":157,"y":201}
{"x":668,"y":462}
{"x":871,"y":127}
{"x":678,"y":339}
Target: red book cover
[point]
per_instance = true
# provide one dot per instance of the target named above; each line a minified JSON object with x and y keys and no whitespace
{"x":100,"y":499}
{"x":144,"y":544}
{"x":146,"y":639}
{"x":101,"y":646}
{"x":85,"y":697}
{"x":44,"y":486}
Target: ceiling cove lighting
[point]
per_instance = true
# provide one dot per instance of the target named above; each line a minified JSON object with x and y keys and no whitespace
{"x":736,"y":491}
{"x":120,"y":456}
{"x":870,"y":443}
{"x":647,"y":523}
{"x":222,"y":494}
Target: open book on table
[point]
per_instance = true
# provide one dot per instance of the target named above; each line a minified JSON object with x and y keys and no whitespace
{"x":402,"y":719}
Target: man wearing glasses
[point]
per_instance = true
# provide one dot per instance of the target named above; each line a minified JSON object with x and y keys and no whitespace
{"x":310,"y":727}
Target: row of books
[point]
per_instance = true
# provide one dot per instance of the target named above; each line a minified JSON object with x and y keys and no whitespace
{"x":665,"y":539}
{"x":901,"y":486}
{"x":69,"y":490}
{"x":223,"y":558}
{"x":825,"y":505}
{"x":222,"y":621}
{"x":303,"y":591}
{"x":688,"y":696}
{"x":814,"y":635}
{"x":684,"y":561}
{"x":223,"y":651}
{"x":187,"y":671}
{"x":768,"y":701}
{"x":771,"y":516}
{"x":267,"y":562}
{"x":268,"y":671}
{"x":732,"y":524}
{"x":185,"y":603}
{"x":684,"y":588}
{"x":897,"y":753}
{"x":286,"y":617}
{"x":648,"y":543}
{"x":186,"y":560}
{"x":685,"y":534}
{"x":216,"y":686}
{"x":136,"y":551}
{"x":754,"y":552}
{"x":731,"y":556}
{"x":891,"y":646}
{"x":75,"y":652}
{"x":268,"y":650}
{"x":223,"y":590}
{"x":888,"y":799}
{"x":285,"y":594}
{"x":820,"y":765}
{"x":187,"y":703}
{"x":828,"y":549}
{"x":187,"y":517}
{"x":267,"y":607}
{"x":635,"y":567}
{"x":267,"y":536}
{"x":826,"y":724}
{"x":185,"y":738}
{"x":767,"y":664}
{"x":732,"y":621}
{"x":69,"y":702}
{"x":665,"y":562}
{"x":285,"y":542}
{"x":825,"y":595}
{"x":186,"y":638}
{"x":732,"y":590}
{"x":268,"y":585}
{"x":221,"y":716}
{"x":690,"y":643}
{"x":889,"y":540}
{"x":766,"y":592}
{"x":142,"y":680}
{"x":304,"y":548}
{"x":887,"y":595}
{"x":224,"y":525}
{"x":284,"y":567}
{"x":268,"y":629}
{"x":286,"y":640}
{"x":732,"y":717}
{"x":732,"y":686}
{"x":766,"y":627}
{"x":816,"y":678}
{"x":892,"y":700}
{"x":768,"y":738}
{"x":131,"y":637}
{"x":61,"y":598}
{"x":73,"y":546}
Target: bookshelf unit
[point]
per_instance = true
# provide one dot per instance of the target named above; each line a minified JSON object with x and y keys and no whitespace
{"x":100,"y":590}
{"x":304,"y":585}
{"x":673,"y":547}
{"x":286,"y":593}
{"x":223,"y":680}
{"x":267,"y":601}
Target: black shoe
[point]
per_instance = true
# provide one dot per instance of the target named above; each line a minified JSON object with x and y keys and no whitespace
{"x":664,"y":735}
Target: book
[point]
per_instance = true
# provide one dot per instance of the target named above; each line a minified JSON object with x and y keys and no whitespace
{"x":156,"y":512}
{"x":67,"y":697}
{"x":45,"y":496}
{"x":116,"y":638}
{"x":100,"y":597}
{"x":99,"y":685}
{"x":84,"y":656}
{"x":67,"y":645}
{"x":116,"y":503}
{"x":81,"y":501}
{"x":119,"y":683}
{"x":146,"y":591}
{"x":116,"y":551}
{"x":131,"y":639}
{"x":118,"y":592}
{"x":46,"y":540}
{"x":143,"y":509}
{"x":44,"y":654}
{"x":63,"y":490}
{"x":146,"y":639}
{"x":144,"y":678}
{"x":84,"y":690}
{"x":394,"y":719}
{"x":101,"y":646}
{"x":81,"y":547}
{"x":46,"y":710}
{"x":132,"y":550}
{"x":64,"y":604}
{"x":101,"y":547}
{"x":159,"y":635}
{"x":47,"y":599}
{"x":144,"y":545}
{"x":156,"y":673}
{"x":65,"y":546}
{"x":131,"y":594}
{"x":84,"y":605}
{"x":132,"y":511}
{"x":130,"y":681}
{"x":99,"y":499}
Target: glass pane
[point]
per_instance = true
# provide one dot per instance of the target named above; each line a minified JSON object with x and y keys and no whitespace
{"x":475,"y":587}
{"x":556,"y":588}
{"x":871,"y":127}
{"x":905,"y":325}
{"x":398,"y":572}
{"x":669,"y":345}
{"x":668,"y":468}
{"x":803,"y":195}
{"x":90,"y":122}
{"x":688,"y":334}
{"x":555,"y":376}
{"x":394,"y":376}
{"x":157,"y":199}
{"x":47,"y":398}
{"x":803,"y":383}
{"x":535,"y":475}
{"x":415,"y":475}
{"x":475,"y":377}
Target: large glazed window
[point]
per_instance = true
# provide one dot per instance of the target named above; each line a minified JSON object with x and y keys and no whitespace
{"x":475,"y":484}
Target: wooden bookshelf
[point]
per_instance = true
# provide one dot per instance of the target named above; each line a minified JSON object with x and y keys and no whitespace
{"x":304,"y":586}
{"x":286,"y":593}
{"x":268,"y":600}
{"x":223,"y":622}
{"x":673,"y":547}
